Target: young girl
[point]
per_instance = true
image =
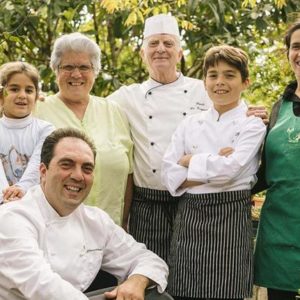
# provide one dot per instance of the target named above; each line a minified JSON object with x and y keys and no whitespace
{"x":212,"y":160}
{"x":21,"y":135}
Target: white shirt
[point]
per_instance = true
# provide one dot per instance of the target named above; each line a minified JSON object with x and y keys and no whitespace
{"x":153,"y":111}
{"x":203,"y":135}
{"x":44,"y":256}
{"x":21,"y":141}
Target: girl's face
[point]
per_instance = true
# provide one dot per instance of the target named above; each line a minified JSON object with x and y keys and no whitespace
{"x":294,"y":53}
{"x":18,"y":96}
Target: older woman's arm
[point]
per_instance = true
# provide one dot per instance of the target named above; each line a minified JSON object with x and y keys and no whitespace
{"x":127,"y":201}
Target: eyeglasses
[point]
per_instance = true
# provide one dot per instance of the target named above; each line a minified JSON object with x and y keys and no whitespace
{"x":72,"y":68}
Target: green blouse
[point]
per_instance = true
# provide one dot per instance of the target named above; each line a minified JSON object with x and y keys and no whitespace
{"x":106,"y":125}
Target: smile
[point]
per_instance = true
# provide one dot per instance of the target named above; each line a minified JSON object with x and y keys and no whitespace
{"x":21,"y":103}
{"x":76,"y":83}
{"x":160,"y":58}
{"x":219,"y":92}
{"x":72,"y":188}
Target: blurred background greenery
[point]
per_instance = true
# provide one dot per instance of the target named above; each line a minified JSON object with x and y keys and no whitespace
{"x":28,"y":29}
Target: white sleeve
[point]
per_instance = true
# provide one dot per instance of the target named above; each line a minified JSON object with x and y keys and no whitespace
{"x":123,"y":257}
{"x":3,"y":181}
{"x":23,"y":266}
{"x":31,"y":175}
{"x":218,"y":169}
{"x":118,"y":97}
{"x":173,"y":175}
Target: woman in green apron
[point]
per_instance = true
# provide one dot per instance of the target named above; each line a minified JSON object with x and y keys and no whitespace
{"x":277,"y":253}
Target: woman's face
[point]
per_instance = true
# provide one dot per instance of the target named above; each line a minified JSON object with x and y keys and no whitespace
{"x":294,"y":53}
{"x":75,"y":85}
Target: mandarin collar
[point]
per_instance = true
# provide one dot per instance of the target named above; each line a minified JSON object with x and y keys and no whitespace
{"x":151,"y":84}
{"x":49,"y":213}
{"x":234,"y":113}
{"x":16,"y":123}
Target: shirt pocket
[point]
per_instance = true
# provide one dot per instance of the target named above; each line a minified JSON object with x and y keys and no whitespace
{"x":90,"y":259}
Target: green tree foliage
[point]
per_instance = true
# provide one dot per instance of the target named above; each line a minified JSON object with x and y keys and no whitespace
{"x":28,"y":29}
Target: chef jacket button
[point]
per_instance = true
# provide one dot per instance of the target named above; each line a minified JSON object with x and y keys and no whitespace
{"x":184,"y":113}
{"x":185,"y":91}
{"x":150,"y":117}
{"x":153,"y":170}
{"x":150,"y":93}
{"x":152,"y":143}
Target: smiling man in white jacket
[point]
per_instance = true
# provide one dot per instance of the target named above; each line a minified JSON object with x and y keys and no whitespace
{"x":52,"y":246}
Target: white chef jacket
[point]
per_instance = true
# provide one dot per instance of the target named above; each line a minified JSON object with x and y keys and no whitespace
{"x":45,"y":256}
{"x":154,"y":110}
{"x":203,"y":135}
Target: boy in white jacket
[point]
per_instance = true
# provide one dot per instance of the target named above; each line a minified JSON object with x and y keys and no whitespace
{"x":212,"y":161}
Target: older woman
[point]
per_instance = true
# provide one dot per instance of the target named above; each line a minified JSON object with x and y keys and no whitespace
{"x":75,"y":59}
{"x":277,"y":253}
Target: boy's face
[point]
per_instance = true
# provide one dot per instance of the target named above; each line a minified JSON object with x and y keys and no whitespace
{"x":224,"y":86}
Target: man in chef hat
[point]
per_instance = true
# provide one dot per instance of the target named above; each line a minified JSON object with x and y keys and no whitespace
{"x":154,"y":108}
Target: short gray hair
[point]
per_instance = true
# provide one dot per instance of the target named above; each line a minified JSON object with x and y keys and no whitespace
{"x":76,"y":42}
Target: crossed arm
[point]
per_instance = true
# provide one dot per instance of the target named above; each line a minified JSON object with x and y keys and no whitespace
{"x":184,"y":161}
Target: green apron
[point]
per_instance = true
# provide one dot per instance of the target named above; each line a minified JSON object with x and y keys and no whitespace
{"x":277,"y":253}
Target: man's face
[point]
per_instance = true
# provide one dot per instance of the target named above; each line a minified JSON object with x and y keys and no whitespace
{"x":69,"y":177}
{"x":161,"y":53}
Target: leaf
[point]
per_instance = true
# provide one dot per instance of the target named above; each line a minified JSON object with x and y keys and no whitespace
{"x":188,"y":25}
{"x":280,"y":3}
{"x":215,"y":12}
{"x":246,"y":3}
{"x":69,"y":14}
{"x":110,"y":5}
{"x":131,"y":19}
{"x":9,"y":5}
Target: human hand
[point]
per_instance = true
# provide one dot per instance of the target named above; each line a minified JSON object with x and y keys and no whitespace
{"x":12,"y":193}
{"x":131,"y":289}
{"x":259,"y":111}
{"x":226,"y":151}
{"x":189,"y":183}
{"x":184,"y":161}
{"x":124,"y":225}
{"x":42,"y":96}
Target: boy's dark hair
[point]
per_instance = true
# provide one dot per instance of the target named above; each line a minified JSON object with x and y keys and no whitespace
{"x":294,"y":27}
{"x":53,"y":139}
{"x":233,"y":56}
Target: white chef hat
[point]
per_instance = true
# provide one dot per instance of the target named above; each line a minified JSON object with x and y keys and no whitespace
{"x":161,"y":24}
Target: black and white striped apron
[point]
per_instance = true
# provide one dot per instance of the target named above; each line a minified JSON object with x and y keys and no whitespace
{"x":212,"y":249}
{"x":151,"y":220}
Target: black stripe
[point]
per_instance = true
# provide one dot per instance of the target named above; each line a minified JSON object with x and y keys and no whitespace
{"x":211,"y":251}
{"x":151,"y":220}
